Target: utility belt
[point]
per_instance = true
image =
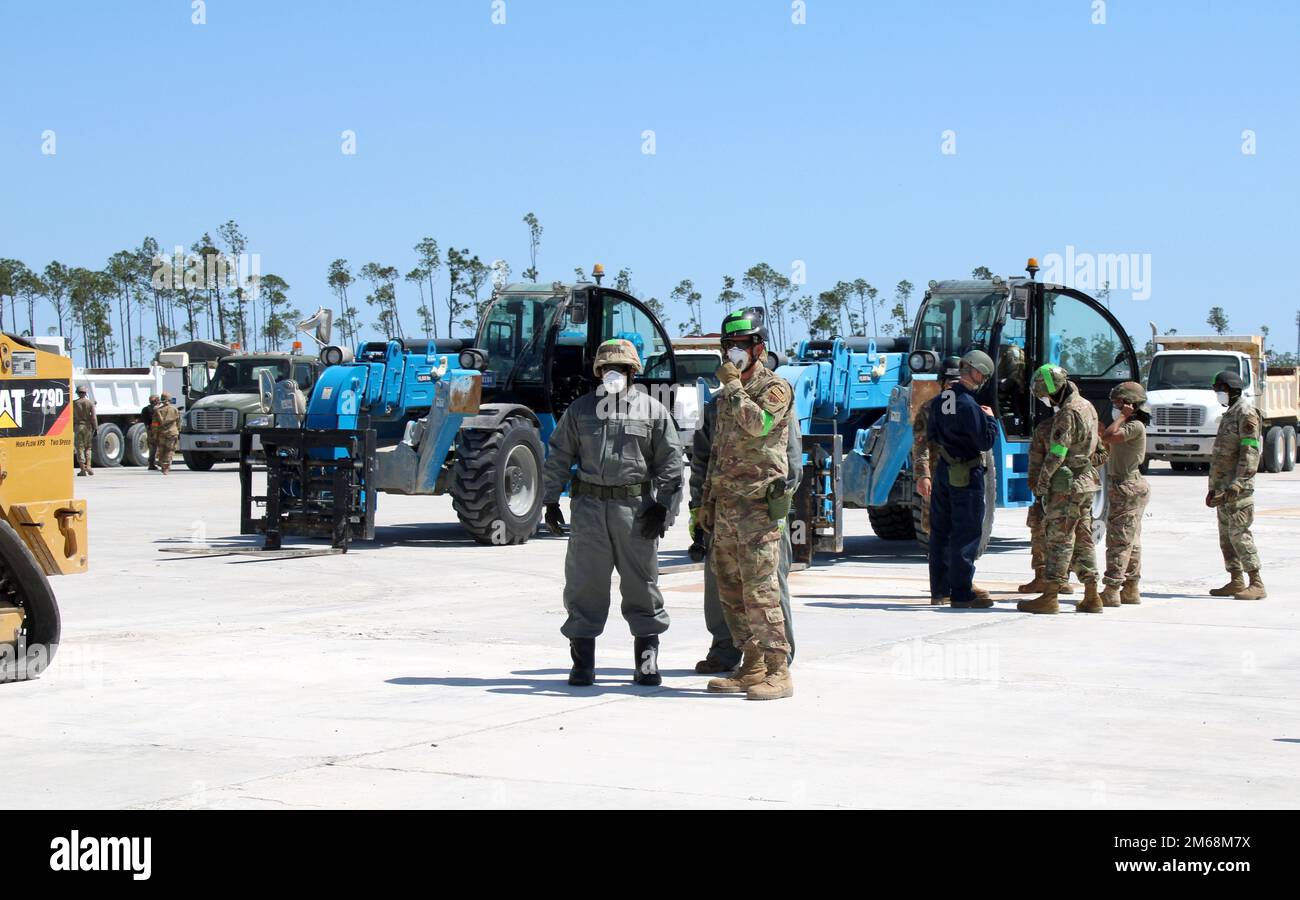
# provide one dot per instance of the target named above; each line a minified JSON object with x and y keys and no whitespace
{"x":959,"y":469}
{"x":609,"y":491}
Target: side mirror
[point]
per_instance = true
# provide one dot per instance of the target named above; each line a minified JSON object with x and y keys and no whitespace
{"x":266,"y":389}
{"x":1019,"y":307}
{"x":578,"y":308}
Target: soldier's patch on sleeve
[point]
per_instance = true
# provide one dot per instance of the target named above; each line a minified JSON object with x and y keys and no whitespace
{"x":777,"y":397}
{"x":1249,"y":426}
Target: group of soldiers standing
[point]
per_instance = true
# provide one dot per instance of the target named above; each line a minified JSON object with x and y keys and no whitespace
{"x":162,"y":421}
{"x":618,"y":452}
{"x":1067,"y":450}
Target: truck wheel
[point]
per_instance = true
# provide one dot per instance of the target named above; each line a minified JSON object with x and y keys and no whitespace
{"x":1274,"y":449}
{"x":1289,"y":441}
{"x":497,"y":489}
{"x":137,"y":445}
{"x":110,"y":446}
{"x":23,"y":584}
{"x":892,"y":523}
{"x":199,"y":462}
{"x":1145,"y":466}
{"x":1101,"y":511}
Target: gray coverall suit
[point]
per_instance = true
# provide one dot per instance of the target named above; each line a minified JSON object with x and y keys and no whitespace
{"x":628,"y":457}
{"x":724,"y":650}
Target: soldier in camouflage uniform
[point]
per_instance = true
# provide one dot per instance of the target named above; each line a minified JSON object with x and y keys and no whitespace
{"x":1232,"y":488}
{"x":1036,"y":519}
{"x":1067,"y":482}
{"x":169,"y":431}
{"x":629,"y":475}
{"x":744,"y":506}
{"x":84,"y":425}
{"x":1125,"y":440}
{"x":723,"y":655}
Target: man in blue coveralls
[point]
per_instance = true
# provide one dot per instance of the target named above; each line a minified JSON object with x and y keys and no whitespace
{"x":962,"y":430}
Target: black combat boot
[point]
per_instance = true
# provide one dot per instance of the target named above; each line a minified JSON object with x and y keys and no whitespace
{"x":583,"y":652}
{"x":646,"y":650}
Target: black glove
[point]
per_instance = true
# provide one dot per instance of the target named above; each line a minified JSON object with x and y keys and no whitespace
{"x":554,"y":518}
{"x":653,"y":522}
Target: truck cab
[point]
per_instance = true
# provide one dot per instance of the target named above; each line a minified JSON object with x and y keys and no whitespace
{"x":232,"y":401}
{"x":1184,"y":410}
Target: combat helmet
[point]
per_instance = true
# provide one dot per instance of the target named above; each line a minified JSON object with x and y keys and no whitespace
{"x":745,"y":323}
{"x":979,"y":361}
{"x":616,"y":352}
{"x":1129,"y":392}
{"x":1049,"y":380}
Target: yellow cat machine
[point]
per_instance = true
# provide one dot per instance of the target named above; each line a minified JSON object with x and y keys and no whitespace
{"x":42,"y":528}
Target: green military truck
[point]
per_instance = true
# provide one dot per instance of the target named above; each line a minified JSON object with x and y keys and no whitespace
{"x":232,"y":401}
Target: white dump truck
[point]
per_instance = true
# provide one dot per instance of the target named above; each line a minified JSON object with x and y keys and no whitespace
{"x":119,"y":394}
{"x":1185,"y":412}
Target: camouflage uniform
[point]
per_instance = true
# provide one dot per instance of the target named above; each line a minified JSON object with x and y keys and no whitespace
{"x":723,"y":654}
{"x":749,"y":454}
{"x":84,"y":424}
{"x":168,"y":418}
{"x":1232,"y":470}
{"x":1039,"y":444}
{"x":923,"y":450}
{"x":1127,"y":492}
{"x":1067,"y":505}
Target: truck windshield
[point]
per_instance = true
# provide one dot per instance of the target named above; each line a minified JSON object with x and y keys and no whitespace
{"x":239,"y":376}
{"x":691,"y":366}
{"x":953,"y":325}
{"x":1190,"y":371}
{"x":514,"y":335}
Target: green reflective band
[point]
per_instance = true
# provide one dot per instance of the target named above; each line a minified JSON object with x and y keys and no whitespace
{"x":1046,"y":372}
{"x":738,"y":325}
{"x":611,"y":341}
{"x":1059,"y":450}
{"x":768,"y":421}
{"x":1250,"y":442}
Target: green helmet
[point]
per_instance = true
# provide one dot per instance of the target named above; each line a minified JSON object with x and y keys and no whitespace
{"x":744,"y":323}
{"x":979,"y":361}
{"x":1048,"y":380}
{"x":616,"y":352}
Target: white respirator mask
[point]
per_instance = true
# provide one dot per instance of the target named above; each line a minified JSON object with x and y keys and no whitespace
{"x":738,"y":358}
{"x":1046,"y":401}
{"x":1223,"y":397}
{"x":615,"y":381}
{"x":1116,"y":413}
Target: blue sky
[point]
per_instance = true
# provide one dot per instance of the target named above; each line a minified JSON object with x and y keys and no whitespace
{"x":775,"y":142}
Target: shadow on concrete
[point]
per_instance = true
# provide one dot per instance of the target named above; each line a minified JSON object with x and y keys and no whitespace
{"x":1287,"y":740}
{"x":916,"y":607}
{"x":608,"y":682}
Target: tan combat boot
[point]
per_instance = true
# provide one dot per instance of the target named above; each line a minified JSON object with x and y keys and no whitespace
{"x":1047,"y":604}
{"x":1130,"y":593}
{"x":1091,"y":602}
{"x":1110,"y":596}
{"x":1037,"y":586}
{"x":979,"y":593}
{"x":1232,"y":588}
{"x":1066,"y":588}
{"x":777,"y":684}
{"x":940,"y":601}
{"x":751,"y":671}
{"x":1255,"y":591}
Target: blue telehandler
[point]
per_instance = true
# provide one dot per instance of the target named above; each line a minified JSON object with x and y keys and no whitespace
{"x":469,"y":418}
{"x":1021,"y":323}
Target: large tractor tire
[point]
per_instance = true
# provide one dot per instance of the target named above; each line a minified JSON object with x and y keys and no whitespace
{"x":137,"y":445}
{"x":990,"y":509}
{"x":1100,"y":513}
{"x":109,"y":446}
{"x":23,"y":584}
{"x":892,"y":523}
{"x":199,"y":462}
{"x":497,"y":488}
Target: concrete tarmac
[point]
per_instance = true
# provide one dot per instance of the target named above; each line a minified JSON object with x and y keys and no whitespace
{"x":424,"y":670}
